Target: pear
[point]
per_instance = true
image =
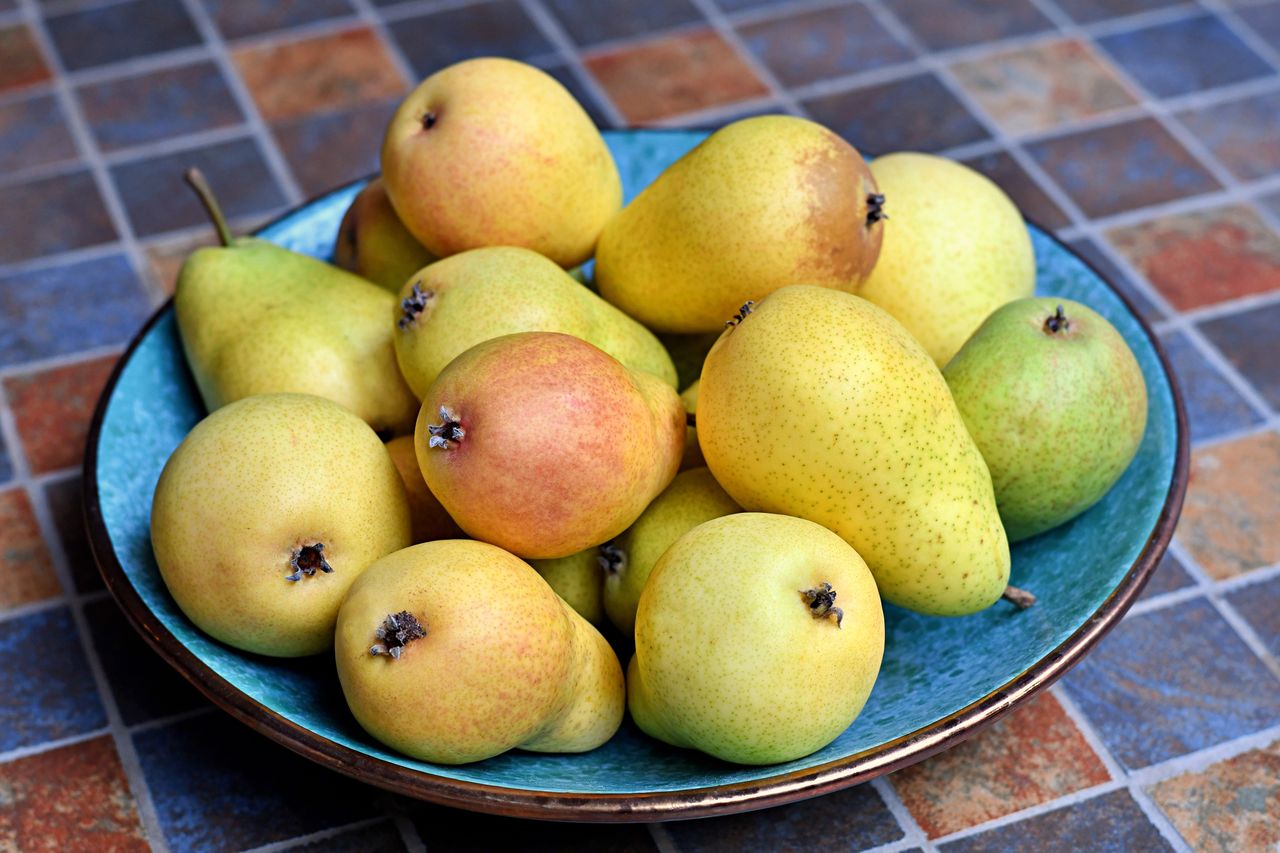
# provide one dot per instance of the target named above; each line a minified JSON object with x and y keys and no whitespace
{"x":758,"y":640}
{"x":1056,"y":402}
{"x":493,"y":152}
{"x":545,"y":445}
{"x":955,"y":249}
{"x":456,"y":651}
{"x":256,"y":318}
{"x":692,"y":498}
{"x":374,"y":244}
{"x":762,"y":203}
{"x":473,"y":296}
{"x":578,"y":580}
{"x":819,"y":404}
{"x":688,"y":352}
{"x":267,"y":513}
{"x":429,"y":519}
{"x":692,"y":457}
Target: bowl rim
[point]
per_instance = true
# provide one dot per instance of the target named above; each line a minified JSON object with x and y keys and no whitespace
{"x":650,"y":806}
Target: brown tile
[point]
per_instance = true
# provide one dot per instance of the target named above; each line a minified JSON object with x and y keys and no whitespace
{"x":165,"y":259}
{"x":26,"y":569}
{"x":52,"y":409}
{"x":1231,"y":805}
{"x":23,"y":64}
{"x":72,"y":216}
{"x":314,"y":75}
{"x":329,"y":150}
{"x":678,"y":74}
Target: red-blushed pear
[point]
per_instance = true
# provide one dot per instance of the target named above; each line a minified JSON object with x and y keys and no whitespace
{"x":374,"y":244}
{"x":545,"y":445}
{"x":430,"y":521}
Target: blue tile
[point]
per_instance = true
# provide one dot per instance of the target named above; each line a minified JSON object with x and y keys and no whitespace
{"x":502,"y":28}
{"x":1092,"y":11}
{"x":72,"y":216}
{"x":1259,"y":604}
{"x":120,"y":31}
{"x":1264,"y":18}
{"x":589,"y":102}
{"x":1169,"y":576}
{"x":33,"y":133}
{"x":1173,"y":681}
{"x":48,"y":312}
{"x":1248,"y":341}
{"x":1244,"y":134}
{"x":1118,"y":278}
{"x":821,"y":44}
{"x":332,"y":148}
{"x":239,"y":18}
{"x":1213,"y":406}
{"x":6,"y":465}
{"x":217,"y":785}
{"x":1111,"y":823}
{"x":590,"y":22}
{"x":943,"y":24}
{"x":1184,"y":56}
{"x":1032,"y":201}
{"x":46,"y":689}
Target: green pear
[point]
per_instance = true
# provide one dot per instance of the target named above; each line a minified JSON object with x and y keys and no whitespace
{"x":758,"y":640}
{"x":545,"y":445}
{"x":256,"y":318}
{"x":693,"y":497}
{"x":692,"y":457}
{"x":819,"y":404}
{"x":455,"y":651}
{"x":762,"y":203}
{"x":473,"y":296}
{"x":430,"y":521}
{"x":493,"y":152}
{"x":577,"y":579}
{"x":955,"y":249}
{"x":267,"y":513}
{"x":1056,"y":402}
{"x":374,"y":244}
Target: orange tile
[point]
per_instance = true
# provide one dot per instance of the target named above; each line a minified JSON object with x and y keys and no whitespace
{"x":26,"y":569}
{"x":1231,"y":805}
{"x":22,"y":63}
{"x":53,"y":408}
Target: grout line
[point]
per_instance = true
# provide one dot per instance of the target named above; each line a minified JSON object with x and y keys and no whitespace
{"x":1246,"y":632}
{"x":311,"y":837}
{"x":171,"y":719}
{"x":401,"y":11}
{"x":1065,"y":801}
{"x":715,"y":115}
{"x":556,"y":34}
{"x":50,"y":745}
{"x":42,"y":365}
{"x":1241,"y":29}
{"x":662,"y":838}
{"x":43,"y":171}
{"x":913,"y":835}
{"x":725,"y":30}
{"x":136,"y":66}
{"x":178,"y":144}
{"x":31,"y":608}
{"x":1231,"y":307}
{"x":293,"y":34}
{"x":375,"y":23}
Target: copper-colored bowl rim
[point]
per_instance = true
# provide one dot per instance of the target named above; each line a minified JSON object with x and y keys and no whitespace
{"x":642,"y":806}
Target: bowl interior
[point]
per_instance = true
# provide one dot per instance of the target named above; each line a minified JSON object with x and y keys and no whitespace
{"x":933,"y":667}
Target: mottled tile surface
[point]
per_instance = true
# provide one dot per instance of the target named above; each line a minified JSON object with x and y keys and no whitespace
{"x":238,"y":18}
{"x":52,"y":409}
{"x":33,"y":132}
{"x":1118,"y":278}
{"x":824,"y":43}
{"x":1169,"y":576}
{"x":1241,"y":133}
{"x":1259,"y":604}
{"x":120,"y":31}
{"x":23,"y":65}
{"x":1110,"y":822}
{"x":942,"y":24}
{"x":1231,"y":805}
{"x":26,"y":569}
{"x":1264,"y":20}
{"x":165,"y":258}
{"x":1032,"y":201}
{"x":65,"y":498}
{"x":501,"y":28}
{"x":590,"y":22}
{"x":72,"y":216}
{"x":1247,"y":340}
{"x":328,"y":150}
{"x":1184,"y":56}
{"x":1214,"y":406}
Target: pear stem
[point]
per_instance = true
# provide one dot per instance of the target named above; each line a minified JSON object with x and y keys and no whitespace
{"x":195,"y":179}
{"x":1057,"y":322}
{"x":611,"y":558}
{"x":1020,"y":598}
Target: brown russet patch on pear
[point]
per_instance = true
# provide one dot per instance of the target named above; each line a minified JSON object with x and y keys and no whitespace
{"x":828,"y":172}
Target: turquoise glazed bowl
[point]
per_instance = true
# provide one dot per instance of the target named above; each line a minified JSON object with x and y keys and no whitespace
{"x":942,"y":679}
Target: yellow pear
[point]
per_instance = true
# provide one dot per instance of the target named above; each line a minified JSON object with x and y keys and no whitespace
{"x":374,"y":244}
{"x":692,"y":453}
{"x":430,"y":520}
{"x":579,"y":580}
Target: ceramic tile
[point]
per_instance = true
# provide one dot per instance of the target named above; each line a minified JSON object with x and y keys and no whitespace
{"x":1169,"y":576}
{"x":1214,"y":407}
{"x":1204,"y":257}
{"x":329,"y":150}
{"x":590,"y":22}
{"x":33,"y":132}
{"x":942,"y":24}
{"x":824,"y":43}
{"x":674,"y":75}
{"x":1242,"y":134}
{"x":379,"y":838}
{"x":163,"y":104}
{"x":46,"y":688}
{"x":1231,"y":805}
{"x":455,"y":831}
{"x":157,"y":200}
{"x":1248,"y":341}
{"x":165,"y":258}
{"x":26,"y":569}
{"x":6,"y":464}
{"x":1172,"y":681}
{"x":1184,"y":56}
{"x":52,"y":409}
{"x":1093,"y":11}
{"x":1044,"y":86}
{"x":301,"y":78}
{"x":120,"y":31}
{"x":44,"y":313}
{"x":73,"y":798}
{"x":23,"y":64}
{"x":1117,"y":278}
{"x":578,"y":89}
{"x":1259,"y":604}
{"x":1110,"y":822}
{"x":238,"y":18}
{"x":65,"y":500}
{"x":1031,"y":199}
{"x":1264,"y":19}
{"x":1271,"y":203}
{"x":501,"y":28}
{"x":1033,"y":755}
{"x":1231,"y":517}
{"x":72,"y":216}
{"x":1120,"y":167}
{"x":914,"y":114}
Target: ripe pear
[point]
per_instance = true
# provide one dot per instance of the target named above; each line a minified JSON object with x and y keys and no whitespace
{"x":579,"y":580}
{"x":429,"y":519}
{"x":762,"y":203}
{"x":267,"y":513}
{"x":456,"y":651}
{"x":955,"y":249}
{"x":493,"y":152}
{"x":688,"y":352}
{"x":819,"y":404}
{"x":758,"y":640}
{"x":1056,"y":402}
{"x":256,"y":318}
{"x":693,"y":497}
{"x":692,"y":457}
{"x":473,"y":296}
{"x":545,"y":445}
{"x":374,"y":244}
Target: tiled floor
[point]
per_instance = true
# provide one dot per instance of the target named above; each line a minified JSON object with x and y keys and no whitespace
{"x":1145,"y":132}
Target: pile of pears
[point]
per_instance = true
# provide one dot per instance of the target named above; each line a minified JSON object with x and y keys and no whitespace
{"x":471,"y":469}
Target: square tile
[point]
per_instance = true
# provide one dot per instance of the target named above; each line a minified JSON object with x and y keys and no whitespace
{"x":1092,"y":11}
{"x":914,"y":114}
{"x":43,"y":312}
{"x":1119,"y":280}
{"x":120,"y":31}
{"x":1029,"y":196}
{"x":590,"y":22}
{"x":52,"y":409}
{"x":942,"y":24}
{"x":1259,"y":604}
{"x":46,"y":689}
{"x":1242,"y":134}
{"x":501,"y":28}
{"x":1231,"y":518}
{"x":157,"y":200}
{"x":33,"y":132}
{"x":1184,"y":56}
{"x":249,"y":792}
{"x":239,"y":18}
{"x":1033,"y":755}
{"x":1111,"y":822}
{"x":65,"y":501}
{"x":824,"y":43}
{"x":1172,"y":681}
{"x":1214,"y":408}
{"x":1248,"y":341}
{"x":455,"y":831}
{"x":1169,"y":576}
{"x":1231,"y":805}
{"x":1136,"y":163}
{"x":72,"y":798}
{"x":1264,"y":19}
{"x":1204,"y":257}
{"x":72,"y":216}
{"x":26,"y":569}
{"x":315,"y":75}
{"x":23,"y":64}
{"x":1041,"y":87}
{"x":128,"y":111}
{"x":567,"y":78}
{"x":674,"y":75}
{"x":326,"y":151}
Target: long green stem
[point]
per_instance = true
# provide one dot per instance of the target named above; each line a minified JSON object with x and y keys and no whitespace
{"x":195,"y":179}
